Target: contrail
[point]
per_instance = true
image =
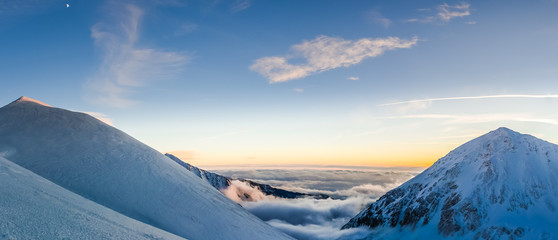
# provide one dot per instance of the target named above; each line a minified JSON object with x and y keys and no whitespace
{"x":473,"y":97}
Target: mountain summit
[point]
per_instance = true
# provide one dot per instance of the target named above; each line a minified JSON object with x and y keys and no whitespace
{"x":105,"y":165}
{"x":24,"y":99}
{"x":502,"y":185}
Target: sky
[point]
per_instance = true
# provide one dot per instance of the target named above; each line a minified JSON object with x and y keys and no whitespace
{"x":248,"y":82}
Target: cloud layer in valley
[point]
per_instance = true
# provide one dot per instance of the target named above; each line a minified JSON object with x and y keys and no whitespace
{"x":306,"y":218}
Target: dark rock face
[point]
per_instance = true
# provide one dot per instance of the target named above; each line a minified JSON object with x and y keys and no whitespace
{"x":277,"y":192}
{"x":395,"y":207}
{"x":416,"y":205}
{"x":496,"y":232}
{"x":448,"y":221}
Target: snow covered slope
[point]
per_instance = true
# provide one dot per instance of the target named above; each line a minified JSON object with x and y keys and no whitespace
{"x":502,"y":185}
{"x":32,"y":207}
{"x":107,"y":166}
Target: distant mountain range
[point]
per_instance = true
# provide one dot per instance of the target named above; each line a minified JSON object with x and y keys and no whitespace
{"x":221,"y":183}
{"x":502,"y":185}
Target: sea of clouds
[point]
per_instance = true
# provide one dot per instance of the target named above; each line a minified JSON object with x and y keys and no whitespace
{"x":315,"y":219}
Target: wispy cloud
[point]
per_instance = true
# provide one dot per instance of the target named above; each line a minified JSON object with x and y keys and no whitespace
{"x":25,"y":7}
{"x":101,"y":116}
{"x":126,"y":68}
{"x":479,"y":118}
{"x":298,"y":90}
{"x":377,"y":18}
{"x":444,"y":13}
{"x":413,"y":107}
{"x":447,"y":12}
{"x":240,"y":5}
{"x":325,"y":53}
{"x":429,"y":100}
{"x":186,"y":28}
{"x":353,"y":78}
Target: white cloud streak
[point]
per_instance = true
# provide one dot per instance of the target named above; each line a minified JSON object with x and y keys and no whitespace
{"x":478,"y":118}
{"x":377,"y":18}
{"x":444,"y":13}
{"x":101,"y":117}
{"x":353,"y":78}
{"x":240,"y":5}
{"x":447,"y":12}
{"x":25,"y":7}
{"x":125,"y":67}
{"x":325,"y":53}
{"x":186,"y":28}
{"x":429,"y":100}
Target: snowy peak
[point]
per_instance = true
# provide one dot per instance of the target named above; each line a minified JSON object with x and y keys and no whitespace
{"x":105,"y":165}
{"x":504,"y":135}
{"x":500,"y":185}
{"x":501,"y":134}
{"x":502,"y":144}
{"x":24,"y":99}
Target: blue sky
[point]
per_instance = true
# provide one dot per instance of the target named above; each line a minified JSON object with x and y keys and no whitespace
{"x":290,"y":82}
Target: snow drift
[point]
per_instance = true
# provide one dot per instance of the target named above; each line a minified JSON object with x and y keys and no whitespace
{"x":107,"y":166}
{"x":502,"y":185}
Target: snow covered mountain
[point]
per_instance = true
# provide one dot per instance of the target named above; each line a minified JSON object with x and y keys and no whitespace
{"x":502,"y":185}
{"x":32,"y":207}
{"x":221,"y":183}
{"x":108,"y":167}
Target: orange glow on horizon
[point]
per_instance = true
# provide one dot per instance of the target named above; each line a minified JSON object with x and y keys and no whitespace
{"x":411,"y":159}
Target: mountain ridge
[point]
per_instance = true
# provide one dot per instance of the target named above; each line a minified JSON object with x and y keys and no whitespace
{"x":28,"y":99}
{"x":221,"y":183}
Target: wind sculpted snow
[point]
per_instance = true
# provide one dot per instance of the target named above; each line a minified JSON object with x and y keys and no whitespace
{"x":107,"y":166}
